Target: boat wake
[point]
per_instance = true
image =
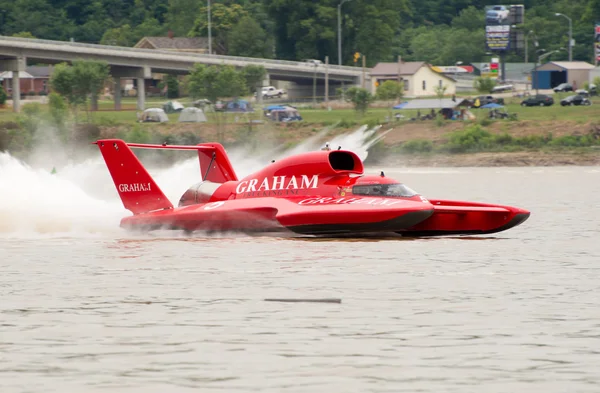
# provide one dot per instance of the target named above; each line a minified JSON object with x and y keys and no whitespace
{"x":80,"y":199}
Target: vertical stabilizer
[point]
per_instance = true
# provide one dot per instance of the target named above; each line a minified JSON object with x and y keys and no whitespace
{"x":215,"y":165}
{"x":135,"y":186}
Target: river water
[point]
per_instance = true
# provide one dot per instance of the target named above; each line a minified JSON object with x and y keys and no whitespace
{"x":87,"y":307}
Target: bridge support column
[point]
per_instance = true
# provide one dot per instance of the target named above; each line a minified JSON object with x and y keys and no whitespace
{"x":15,"y":65}
{"x":140,"y":74}
{"x":16,"y":92}
{"x":141,"y":93}
{"x":117,"y":93}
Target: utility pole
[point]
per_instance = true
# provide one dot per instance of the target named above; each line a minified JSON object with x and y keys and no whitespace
{"x":209,"y":32}
{"x":327,"y":80}
{"x":364,"y":67}
{"x":339,"y":12}
{"x":570,"y":35}
{"x":315,"y":85}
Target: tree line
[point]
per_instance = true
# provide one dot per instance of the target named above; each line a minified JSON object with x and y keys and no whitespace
{"x":441,"y":32}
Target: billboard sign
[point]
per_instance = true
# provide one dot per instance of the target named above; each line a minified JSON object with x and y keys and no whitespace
{"x":497,"y":38}
{"x":597,"y":42}
{"x":453,"y":69}
{"x":498,"y":20}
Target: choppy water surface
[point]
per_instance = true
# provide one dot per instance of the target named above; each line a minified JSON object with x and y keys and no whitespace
{"x":86,"y":307}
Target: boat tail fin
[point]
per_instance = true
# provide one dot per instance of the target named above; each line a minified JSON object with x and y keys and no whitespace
{"x":135,"y":186}
{"x":215,"y":164}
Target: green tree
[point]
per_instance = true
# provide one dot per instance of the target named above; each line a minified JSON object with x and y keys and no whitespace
{"x":440,"y":91}
{"x":119,"y":36}
{"x":359,"y":97}
{"x":254,"y":75}
{"x":41,"y":19}
{"x":373,"y":27}
{"x":58,"y":109}
{"x":172,"y":86}
{"x":182,"y":14}
{"x":470,"y":18}
{"x":84,"y":79}
{"x":2,"y":96}
{"x":223,"y":19}
{"x":484,"y":85}
{"x":215,"y":82}
{"x":23,"y":34}
{"x":308,"y":29}
{"x":391,"y":91}
{"x":248,"y":39}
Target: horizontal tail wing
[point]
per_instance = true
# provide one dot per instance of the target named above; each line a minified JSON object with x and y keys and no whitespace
{"x":214,"y":163}
{"x":137,"y":189}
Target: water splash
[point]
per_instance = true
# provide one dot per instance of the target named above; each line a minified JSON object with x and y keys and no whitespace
{"x":80,"y":199}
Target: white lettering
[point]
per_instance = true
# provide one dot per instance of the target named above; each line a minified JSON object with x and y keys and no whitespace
{"x":252,"y":185}
{"x":292,"y":183}
{"x":350,"y":201}
{"x":134,"y":187}
{"x":241,"y":187}
{"x":264,"y":185}
{"x":309,"y":184}
{"x":278,"y":185}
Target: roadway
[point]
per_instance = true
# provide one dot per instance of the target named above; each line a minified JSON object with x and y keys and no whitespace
{"x":134,"y":63}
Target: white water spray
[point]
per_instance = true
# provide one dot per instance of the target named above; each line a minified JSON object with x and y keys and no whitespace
{"x":81,"y":200}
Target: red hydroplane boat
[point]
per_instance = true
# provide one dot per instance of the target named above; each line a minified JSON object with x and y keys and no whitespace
{"x":314,"y":193}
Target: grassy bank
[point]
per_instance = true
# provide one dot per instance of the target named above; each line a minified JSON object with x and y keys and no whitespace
{"x":548,"y":131}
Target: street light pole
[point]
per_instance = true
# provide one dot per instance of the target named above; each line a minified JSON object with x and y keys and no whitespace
{"x":339,"y":11}
{"x":570,"y":35}
{"x":527,"y":45}
{"x":209,"y":32}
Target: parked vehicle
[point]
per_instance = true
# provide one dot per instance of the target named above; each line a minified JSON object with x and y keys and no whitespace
{"x":563,"y":87}
{"x":591,"y":91}
{"x":314,"y":62}
{"x":575,"y":100}
{"x":271,"y":92}
{"x":484,"y":100}
{"x":502,"y":88}
{"x":538,"y":100}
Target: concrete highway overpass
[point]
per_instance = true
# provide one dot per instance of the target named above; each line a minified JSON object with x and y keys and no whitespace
{"x":133,"y":63}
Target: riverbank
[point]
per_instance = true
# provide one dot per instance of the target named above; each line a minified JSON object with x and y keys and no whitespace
{"x":519,"y":143}
{"x":541,"y":136}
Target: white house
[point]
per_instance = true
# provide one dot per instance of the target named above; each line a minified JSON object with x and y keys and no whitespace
{"x":418,"y":77}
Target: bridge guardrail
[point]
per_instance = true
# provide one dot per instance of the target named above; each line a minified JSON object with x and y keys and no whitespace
{"x":182,"y":54}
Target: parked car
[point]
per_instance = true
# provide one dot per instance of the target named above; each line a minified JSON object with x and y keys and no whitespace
{"x":591,"y":91}
{"x":575,"y":100}
{"x":314,"y":62}
{"x":563,"y":87}
{"x":538,"y":100}
{"x":271,"y":92}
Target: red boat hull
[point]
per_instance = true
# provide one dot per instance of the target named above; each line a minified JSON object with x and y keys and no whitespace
{"x":317,"y":193}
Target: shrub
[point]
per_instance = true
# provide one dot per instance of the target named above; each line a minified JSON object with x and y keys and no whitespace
{"x":473,"y":138}
{"x":58,"y":109}
{"x":417,"y":146}
{"x":2,"y":96}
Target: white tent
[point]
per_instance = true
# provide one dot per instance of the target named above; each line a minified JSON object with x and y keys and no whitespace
{"x":192,"y":115}
{"x":154,"y":115}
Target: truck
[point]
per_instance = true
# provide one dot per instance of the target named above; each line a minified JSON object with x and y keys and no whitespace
{"x":271,"y":92}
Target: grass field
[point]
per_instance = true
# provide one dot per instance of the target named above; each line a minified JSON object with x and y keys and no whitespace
{"x":106,"y":116}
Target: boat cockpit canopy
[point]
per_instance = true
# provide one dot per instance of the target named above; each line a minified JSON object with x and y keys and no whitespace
{"x":387,"y":190}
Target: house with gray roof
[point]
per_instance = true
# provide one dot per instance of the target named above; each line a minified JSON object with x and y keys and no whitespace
{"x":177,"y":44}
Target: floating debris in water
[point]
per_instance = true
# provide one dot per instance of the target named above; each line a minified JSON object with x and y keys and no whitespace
{"x":305,"y":300}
